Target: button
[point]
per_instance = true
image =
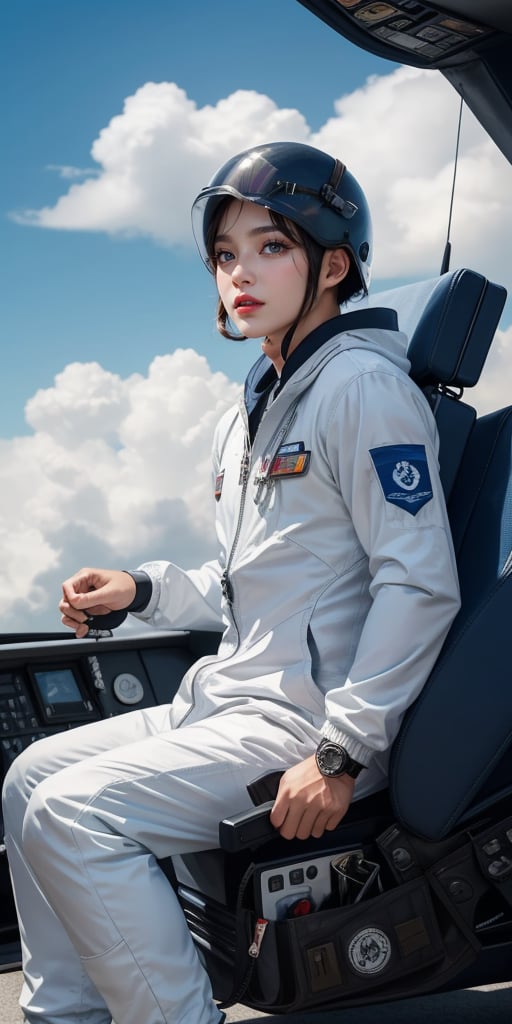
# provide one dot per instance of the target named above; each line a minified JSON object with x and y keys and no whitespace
{"x":460,"y":890}
{"x":300,"y":908}
{"x":402,"y":859}
{"x":492,"y":847}
{"x":128,"y":688}
{"x":500,"y":868}
{"x":275,"y":883}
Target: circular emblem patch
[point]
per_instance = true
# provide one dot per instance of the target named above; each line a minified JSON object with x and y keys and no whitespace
{"x":406,"y":475}
{"x":369,"y":951}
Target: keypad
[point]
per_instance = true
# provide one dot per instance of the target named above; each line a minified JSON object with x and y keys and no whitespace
{"x":17,"y":712}
{"x":19,"y":724}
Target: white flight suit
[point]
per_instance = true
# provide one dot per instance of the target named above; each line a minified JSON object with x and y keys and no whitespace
{"x":341,"y":585}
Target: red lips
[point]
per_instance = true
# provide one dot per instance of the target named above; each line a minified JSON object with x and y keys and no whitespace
{"x":246,"y":301}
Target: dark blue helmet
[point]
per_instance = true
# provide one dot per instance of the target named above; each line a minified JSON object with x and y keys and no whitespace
{"x":305,"y":185}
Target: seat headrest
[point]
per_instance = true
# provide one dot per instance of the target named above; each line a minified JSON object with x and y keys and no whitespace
{"x":450,"y":322}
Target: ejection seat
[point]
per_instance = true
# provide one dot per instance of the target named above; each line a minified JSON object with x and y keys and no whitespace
{"x":442,"y":832}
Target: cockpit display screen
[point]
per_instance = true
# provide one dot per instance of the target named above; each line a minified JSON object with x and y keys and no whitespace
{"x":58,"y":686}
{"x":61,"y":694}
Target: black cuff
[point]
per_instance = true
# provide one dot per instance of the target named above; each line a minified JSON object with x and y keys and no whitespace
{"x":143,"y":590}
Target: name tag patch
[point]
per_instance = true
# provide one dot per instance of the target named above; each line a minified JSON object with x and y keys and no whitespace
{"x":403,"y":474}
{"x":290,"y":465}
{"x":291,"y":460}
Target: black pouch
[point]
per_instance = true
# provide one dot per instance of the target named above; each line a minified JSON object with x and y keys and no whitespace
{"x":410,"y":939}
{"x":402,"y":942}
{"x":335,"y":954}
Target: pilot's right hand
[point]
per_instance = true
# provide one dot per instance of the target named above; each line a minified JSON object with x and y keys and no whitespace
{"x":94,"y":592}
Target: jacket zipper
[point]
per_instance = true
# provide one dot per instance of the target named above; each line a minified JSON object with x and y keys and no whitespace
{"x":225,"y":582}
{"x":263,"y":478}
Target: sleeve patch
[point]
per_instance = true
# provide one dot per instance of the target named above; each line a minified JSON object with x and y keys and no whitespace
{"x":403,"y":474}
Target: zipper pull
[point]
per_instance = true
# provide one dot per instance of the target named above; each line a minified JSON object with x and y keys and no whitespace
{"x":226,"y":587}
{"x":259,"y":931}
{"x":245,"y":465}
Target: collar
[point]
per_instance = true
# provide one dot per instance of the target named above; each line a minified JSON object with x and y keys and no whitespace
{"x":262,"y":376}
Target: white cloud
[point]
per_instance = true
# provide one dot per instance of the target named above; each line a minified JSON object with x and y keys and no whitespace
{"x":156,"y":155}
{"x":117,"y":470}
{"x":397,"y":133}
{"x":494,"y":390}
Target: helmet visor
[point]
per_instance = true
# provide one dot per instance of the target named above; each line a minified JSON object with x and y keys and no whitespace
{"x":203,"y":210}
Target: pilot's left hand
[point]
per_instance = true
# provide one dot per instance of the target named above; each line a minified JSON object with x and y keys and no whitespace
{"x":308,"y":803}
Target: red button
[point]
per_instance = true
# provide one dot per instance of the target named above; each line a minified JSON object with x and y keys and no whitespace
{"x":301,"y":908}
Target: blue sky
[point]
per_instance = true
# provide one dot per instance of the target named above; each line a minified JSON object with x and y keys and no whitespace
{"x":67,"y":67}
{"x":113,"y":374}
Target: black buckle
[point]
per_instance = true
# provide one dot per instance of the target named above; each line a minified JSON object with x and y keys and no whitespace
{"x":342,"y":206}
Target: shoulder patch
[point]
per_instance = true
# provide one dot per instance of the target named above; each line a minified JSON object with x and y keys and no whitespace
{"x":403,"y":474}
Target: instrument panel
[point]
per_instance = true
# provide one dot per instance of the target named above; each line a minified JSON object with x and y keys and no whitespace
{"x":51,"y":683}
{"x":57,"y":685}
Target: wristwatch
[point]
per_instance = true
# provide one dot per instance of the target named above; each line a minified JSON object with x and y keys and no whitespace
{"x":332,"y":760}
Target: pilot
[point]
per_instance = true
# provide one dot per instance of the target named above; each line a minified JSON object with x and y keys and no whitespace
{"x":334,"y":586}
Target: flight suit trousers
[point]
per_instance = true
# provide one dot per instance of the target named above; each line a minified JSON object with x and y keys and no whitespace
{"x":87,"y":815}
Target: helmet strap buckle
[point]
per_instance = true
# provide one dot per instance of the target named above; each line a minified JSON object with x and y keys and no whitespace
{"x":342,"y":206}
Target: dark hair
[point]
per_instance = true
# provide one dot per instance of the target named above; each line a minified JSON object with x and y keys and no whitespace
{"x":347,"y":289}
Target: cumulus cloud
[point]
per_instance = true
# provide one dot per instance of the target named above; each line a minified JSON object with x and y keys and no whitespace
{"x":399,"y":131}
{"x":396,"y":133}
{"x":157,"y":154}
{"x":117,"y":470}
{"x":493,"y":391}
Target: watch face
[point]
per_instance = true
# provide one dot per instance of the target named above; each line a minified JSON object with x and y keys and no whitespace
{"x":332,"y":759}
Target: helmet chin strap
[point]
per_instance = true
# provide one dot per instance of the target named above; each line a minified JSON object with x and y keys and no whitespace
{"x":328,"y":192}
{"x":287,"y":340}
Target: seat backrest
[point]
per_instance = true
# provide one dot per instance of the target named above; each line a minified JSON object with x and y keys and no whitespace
{"x":450,"y":322}
{"x":453,"y":757}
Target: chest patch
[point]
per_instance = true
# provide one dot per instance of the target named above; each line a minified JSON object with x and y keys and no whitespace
{"x":291,"y":460}
{"x":219,"y":480}
{"x":403,"y":474}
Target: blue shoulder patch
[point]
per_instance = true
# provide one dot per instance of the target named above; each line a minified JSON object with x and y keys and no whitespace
{"x":403,"y":473}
